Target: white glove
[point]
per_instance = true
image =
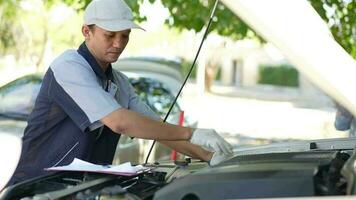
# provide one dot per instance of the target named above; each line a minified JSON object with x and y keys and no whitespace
{"x":218,"y":158}
{"x":211,"y":141}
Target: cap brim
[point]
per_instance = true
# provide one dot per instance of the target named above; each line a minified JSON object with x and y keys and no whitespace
{"x":118,"y":25}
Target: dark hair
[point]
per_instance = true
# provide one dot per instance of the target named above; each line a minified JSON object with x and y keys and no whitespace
{"x":91,"y":27}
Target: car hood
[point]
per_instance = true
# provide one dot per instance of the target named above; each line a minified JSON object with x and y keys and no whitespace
{"x":289,"y":169}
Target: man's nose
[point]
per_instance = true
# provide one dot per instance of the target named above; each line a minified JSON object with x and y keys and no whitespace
{"x":117,"y":43}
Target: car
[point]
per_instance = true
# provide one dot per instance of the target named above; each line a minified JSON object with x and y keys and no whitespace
{"x":166,"y":70}
{"x":17,"y":100}
{"x":153,"y":78}
{"x":163,"y":70}
{"x":306,"y":169}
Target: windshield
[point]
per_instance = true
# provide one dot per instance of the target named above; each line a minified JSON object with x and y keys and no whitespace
{"x":17,"y":98}
{"x":157,"y":96}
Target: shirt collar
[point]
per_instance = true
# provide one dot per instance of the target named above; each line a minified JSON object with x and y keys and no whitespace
{"x":84,"y":51}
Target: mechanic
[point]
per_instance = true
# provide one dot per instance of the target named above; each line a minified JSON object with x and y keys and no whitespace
{"x":344,"y":120}
{"x":84,"y":105}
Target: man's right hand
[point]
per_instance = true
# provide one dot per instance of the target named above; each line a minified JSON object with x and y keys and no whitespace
{"x":211,"y":141}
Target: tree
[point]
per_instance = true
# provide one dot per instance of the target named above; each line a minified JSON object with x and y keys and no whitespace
{"x":193,"y":15}
{"x":27,"y":38}
{"x":340,"y":15}
{"x":8,"y":15}
{"x":12,"y":27}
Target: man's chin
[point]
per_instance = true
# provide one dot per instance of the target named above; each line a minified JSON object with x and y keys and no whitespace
{"x":112,"y":60}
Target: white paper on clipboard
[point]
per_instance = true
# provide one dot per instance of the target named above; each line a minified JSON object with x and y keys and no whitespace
{"x":125,"y":169}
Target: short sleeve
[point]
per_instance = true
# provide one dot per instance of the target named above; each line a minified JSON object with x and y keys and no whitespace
{"x":78,"y":91}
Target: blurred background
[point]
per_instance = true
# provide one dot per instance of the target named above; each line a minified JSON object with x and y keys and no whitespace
{"x":242,"y":85}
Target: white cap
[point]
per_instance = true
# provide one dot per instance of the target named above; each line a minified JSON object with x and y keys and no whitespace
{"x":111,"y":15}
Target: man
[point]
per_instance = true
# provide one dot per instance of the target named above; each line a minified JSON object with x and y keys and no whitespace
{"x":84,"y":105}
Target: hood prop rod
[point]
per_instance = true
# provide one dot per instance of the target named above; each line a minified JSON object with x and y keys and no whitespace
{"x":188,"y":75}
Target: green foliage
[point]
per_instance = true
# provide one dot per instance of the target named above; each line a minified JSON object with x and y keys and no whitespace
{"x":190,"y":15}
{"x":341,"y":19}
{"x":11,"y":27}
{"x":218,"y":74}
{"x":81,"y":4}
{"x":76,"y":4}
{"x":8,"y":16}
{"x":282,"y":75}
{"x":186,"y":65}
{"x":193,"y":15}
{"x":135,"y":6}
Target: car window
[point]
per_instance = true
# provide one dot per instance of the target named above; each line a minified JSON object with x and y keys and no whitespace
{"x":18,"y":97}
{"x":157,"y":96}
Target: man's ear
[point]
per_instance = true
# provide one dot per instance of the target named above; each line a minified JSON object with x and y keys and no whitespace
{"x":85,"y":31}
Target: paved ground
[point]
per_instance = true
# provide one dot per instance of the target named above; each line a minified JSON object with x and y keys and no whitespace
{"x":241,"y":113}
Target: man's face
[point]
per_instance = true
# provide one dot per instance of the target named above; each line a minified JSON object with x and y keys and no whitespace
{"x":106,"y":46}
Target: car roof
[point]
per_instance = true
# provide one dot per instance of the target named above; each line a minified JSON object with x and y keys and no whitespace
{"x":161,"y":66}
